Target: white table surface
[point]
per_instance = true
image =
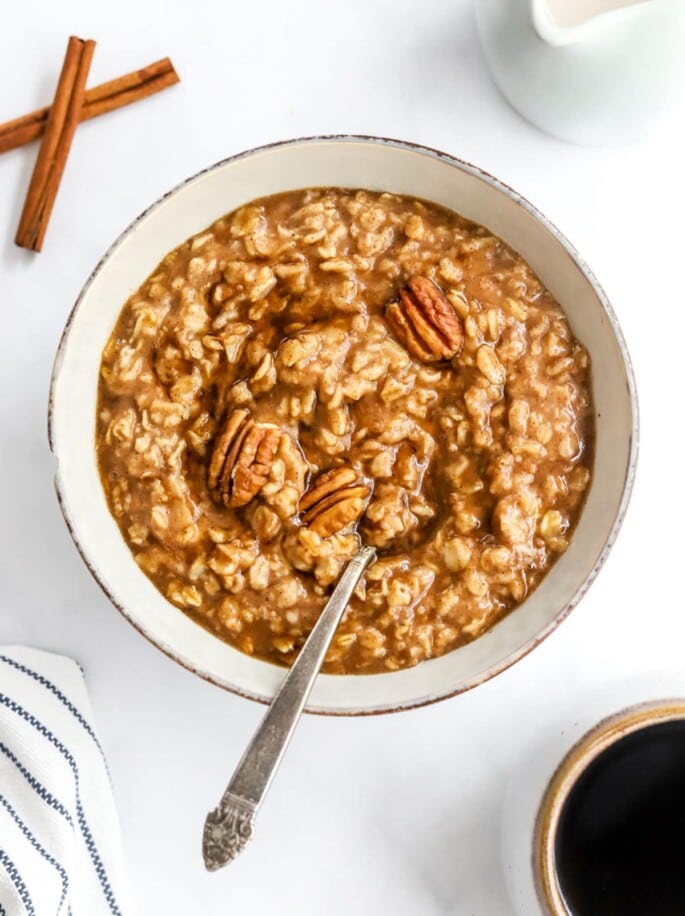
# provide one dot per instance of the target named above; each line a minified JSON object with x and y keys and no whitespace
{"x":393,"y":814}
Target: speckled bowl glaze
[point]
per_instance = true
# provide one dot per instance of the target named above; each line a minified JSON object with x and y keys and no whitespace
{"x":353,"y":162}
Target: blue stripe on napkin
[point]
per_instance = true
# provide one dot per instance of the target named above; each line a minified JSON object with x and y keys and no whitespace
{"x":38,"y":847}
{"x":85,"y":830}
{"x":57,"y":692}
{"x":17,"y":881}
{"x":37,"y":787}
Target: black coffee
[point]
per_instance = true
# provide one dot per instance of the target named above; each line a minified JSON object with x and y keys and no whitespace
{"x":620,"y":846}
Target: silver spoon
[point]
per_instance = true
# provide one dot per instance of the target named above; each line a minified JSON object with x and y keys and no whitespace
{"x":229,"y":827}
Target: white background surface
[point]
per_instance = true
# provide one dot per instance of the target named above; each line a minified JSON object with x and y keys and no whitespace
{"x":396,"y":814}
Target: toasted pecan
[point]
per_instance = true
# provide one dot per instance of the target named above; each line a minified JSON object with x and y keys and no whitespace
{"x":241,"y":459}
{"x":424,"y":320}
{"x":335,"y":500}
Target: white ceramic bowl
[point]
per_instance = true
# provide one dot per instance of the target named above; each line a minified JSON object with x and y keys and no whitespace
{"x":354,"y":162}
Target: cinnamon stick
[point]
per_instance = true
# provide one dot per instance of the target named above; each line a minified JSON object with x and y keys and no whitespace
{"x":99,"y":100}
{"x":55,"y":145}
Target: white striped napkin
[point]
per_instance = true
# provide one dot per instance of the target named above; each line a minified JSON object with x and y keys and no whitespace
{"x":60,"y":848}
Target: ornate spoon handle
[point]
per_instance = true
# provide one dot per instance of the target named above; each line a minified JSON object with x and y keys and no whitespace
{"x":230,"y":826}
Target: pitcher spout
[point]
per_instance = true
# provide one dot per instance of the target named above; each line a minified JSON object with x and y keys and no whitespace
{"x":565,"y":22}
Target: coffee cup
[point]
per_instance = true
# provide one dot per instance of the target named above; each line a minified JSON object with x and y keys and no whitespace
{"x":593,"y":815}
{"x":609,"y":834}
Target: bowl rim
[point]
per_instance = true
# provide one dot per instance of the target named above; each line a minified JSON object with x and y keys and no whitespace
{"x":573,"y":254}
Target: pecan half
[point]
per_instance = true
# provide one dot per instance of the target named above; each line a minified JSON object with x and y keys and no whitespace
{"x":424,"y":320}
{"x":334,"y":500}
{"x":241,"y":459}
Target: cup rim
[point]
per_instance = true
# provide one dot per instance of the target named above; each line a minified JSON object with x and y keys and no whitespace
{"x":577,"y":760}
{"x":619,"y":512}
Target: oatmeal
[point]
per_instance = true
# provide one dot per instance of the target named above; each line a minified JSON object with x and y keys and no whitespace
{"x":325,"y":366}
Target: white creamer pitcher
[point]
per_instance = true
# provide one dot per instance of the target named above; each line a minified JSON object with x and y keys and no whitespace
{"x":597,"y":72}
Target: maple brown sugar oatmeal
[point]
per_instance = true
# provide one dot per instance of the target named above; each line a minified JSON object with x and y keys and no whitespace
{"x":327,"y":365}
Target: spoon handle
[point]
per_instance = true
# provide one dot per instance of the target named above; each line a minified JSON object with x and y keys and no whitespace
{"x":230,"y":826}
